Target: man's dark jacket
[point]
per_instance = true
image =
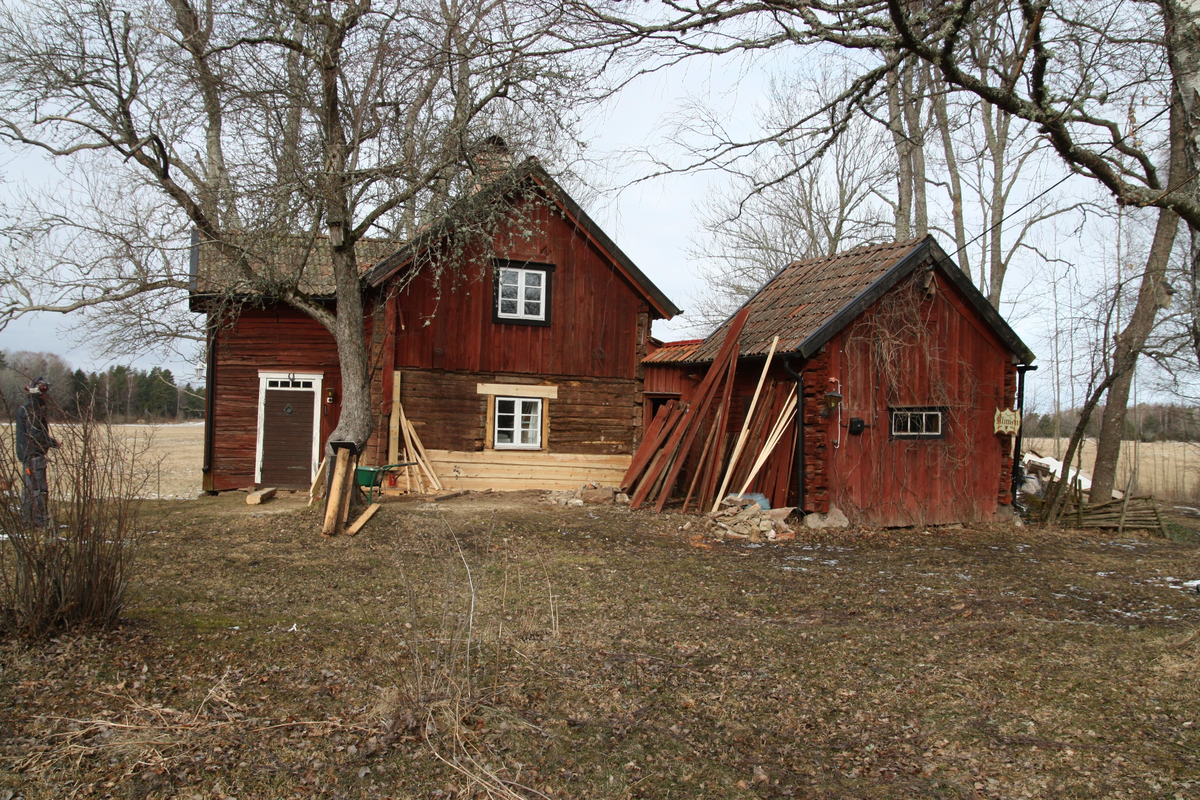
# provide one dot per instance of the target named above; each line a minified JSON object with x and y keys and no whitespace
{"x":33,"y":433}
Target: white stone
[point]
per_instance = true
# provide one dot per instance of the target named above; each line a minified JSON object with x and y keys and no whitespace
{"x":834,"y":519}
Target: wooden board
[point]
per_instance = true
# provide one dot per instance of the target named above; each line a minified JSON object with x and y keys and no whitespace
{"x":394,"y":421}
{"x":261,"y":496}
{"x":339,"y":493}
{"x":362,"y":519}
{"x":517,"y":390}
{"x":318,"y":485}
{"x":515,"y":470}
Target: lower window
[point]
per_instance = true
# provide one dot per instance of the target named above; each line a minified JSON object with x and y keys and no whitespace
{"x":917,"y":423}
{"x":518,"y":423}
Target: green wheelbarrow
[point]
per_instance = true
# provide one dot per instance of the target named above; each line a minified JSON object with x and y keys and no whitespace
{"x":371,"y":478}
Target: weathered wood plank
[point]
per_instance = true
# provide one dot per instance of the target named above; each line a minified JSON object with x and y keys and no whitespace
{"x":362,"y":519}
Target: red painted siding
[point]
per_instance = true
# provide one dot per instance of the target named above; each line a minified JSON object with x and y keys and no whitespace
{"x":443,"y":324}
{"x":445,"y":321}
{"x":917,"y":351}
{"x":272,"y":339}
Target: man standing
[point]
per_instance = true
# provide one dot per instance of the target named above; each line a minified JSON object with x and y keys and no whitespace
{"x":33,"y":440}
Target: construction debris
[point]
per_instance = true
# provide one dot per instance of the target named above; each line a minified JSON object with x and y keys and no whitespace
{"x":693,"y":439}
{"x":744,"y":518}
{"x":1121,"y":515}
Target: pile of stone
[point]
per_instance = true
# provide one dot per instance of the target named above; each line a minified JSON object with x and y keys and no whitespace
{"x":589,"y":493}
{"x":744,"y":518}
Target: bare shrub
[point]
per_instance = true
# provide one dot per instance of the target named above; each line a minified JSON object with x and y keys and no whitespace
{"x":75,"y":570}
{"x":459,"y":629}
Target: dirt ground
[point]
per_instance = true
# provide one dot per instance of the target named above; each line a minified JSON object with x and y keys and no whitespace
{"x":498,"y":646}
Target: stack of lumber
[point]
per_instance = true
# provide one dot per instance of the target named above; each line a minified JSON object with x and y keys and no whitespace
{"x":422,"y":476}
{"x":694,"y":439}
{"x":1132,"y":512}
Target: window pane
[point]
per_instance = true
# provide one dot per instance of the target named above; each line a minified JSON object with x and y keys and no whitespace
{"x":509,"y":292}
{"x":506,"y":406}
{"x":533,"y":293}
{"x":307,"y":384}
{"x":272,"y":384}
{"x":530,"y":422}
{"x":915,"y":423}
{"x":508,"y":307}
{"x":509,"y":277}
{"x":533,"y":309}
{"x":933,"y":422}
{"x":504,"y":436}
{"x":900,"y":422}
{"x":533,"y":279}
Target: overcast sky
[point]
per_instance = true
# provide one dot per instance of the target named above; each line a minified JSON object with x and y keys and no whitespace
{"x":651,"y":220}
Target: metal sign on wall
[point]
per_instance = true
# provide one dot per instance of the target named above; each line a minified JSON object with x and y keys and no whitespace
{"x":1007,"y":421}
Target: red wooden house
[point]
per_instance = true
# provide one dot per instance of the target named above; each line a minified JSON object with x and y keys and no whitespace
{"x":519,"y":367}
{"x":902,"y":365}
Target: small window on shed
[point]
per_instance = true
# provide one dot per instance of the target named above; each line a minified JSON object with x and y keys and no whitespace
{"x":917,"y":423}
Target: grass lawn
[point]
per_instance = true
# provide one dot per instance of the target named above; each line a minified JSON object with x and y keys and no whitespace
{"x":500,"y":646}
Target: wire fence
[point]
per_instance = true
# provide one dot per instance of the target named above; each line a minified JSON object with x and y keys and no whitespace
{"x":1168,"y":470}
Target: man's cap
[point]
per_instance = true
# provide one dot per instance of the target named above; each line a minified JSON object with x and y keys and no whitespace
{"x":38,"y":386}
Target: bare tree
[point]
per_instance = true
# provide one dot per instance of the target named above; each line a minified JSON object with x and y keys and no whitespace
{"x":1075,"y":71}
{"x":782,"y":205}
{"x":265,"y":126}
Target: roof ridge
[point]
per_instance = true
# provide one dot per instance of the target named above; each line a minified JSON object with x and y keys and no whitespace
{"x":862,"y":248}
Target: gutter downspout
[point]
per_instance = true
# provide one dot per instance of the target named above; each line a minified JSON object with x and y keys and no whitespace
{"x":1018,"y":471}
{"x":210,"y":392}
{"x":787,"y":366}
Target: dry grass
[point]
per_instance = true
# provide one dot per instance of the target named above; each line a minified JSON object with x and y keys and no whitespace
{"x":610,"y":658}
{"x":1168,"y":470}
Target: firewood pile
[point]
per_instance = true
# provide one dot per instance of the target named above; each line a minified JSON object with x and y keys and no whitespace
{"x":695,"y":439}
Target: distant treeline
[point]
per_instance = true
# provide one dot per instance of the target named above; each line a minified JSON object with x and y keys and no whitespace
{"x":1145,"y":422}
{"x":119,"y":394}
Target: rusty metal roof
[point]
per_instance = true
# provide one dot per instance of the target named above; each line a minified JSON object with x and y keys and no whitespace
{"x":674,"y":352}
{"x":809,"y":301}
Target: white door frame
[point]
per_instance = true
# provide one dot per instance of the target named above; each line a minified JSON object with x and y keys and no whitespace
{"x":264,"y":376}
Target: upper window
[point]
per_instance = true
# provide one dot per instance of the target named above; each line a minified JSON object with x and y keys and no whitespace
{"x":917,"y":423}
{"x":518,"y":423}
{"x":522,"y":292}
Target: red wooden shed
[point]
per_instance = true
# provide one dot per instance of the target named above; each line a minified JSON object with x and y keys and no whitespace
{"x":903,"y":367}
{"x":519,"y":365}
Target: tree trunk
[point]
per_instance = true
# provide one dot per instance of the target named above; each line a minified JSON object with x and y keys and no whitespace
{"x":1129,"y":342}
{"x":914,"y":100}
{"x":355,"y":422}
{"x":996,"y":133}
{"x":903,"y":149}
{"x":956,"y":193}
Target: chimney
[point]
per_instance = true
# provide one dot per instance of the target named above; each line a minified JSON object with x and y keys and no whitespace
{"x":491,"y":161}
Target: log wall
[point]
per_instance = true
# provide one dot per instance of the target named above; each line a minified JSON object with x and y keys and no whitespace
{"x":589,"y":417}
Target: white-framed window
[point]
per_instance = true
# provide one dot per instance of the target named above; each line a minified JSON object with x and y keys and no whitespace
{"x":288,"y":383}
{"x":917,"y":423}
{"x":522,"y":294}
{"x":518,"y":423}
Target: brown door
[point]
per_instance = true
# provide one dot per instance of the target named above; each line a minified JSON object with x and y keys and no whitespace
{"x":287,"y":439}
